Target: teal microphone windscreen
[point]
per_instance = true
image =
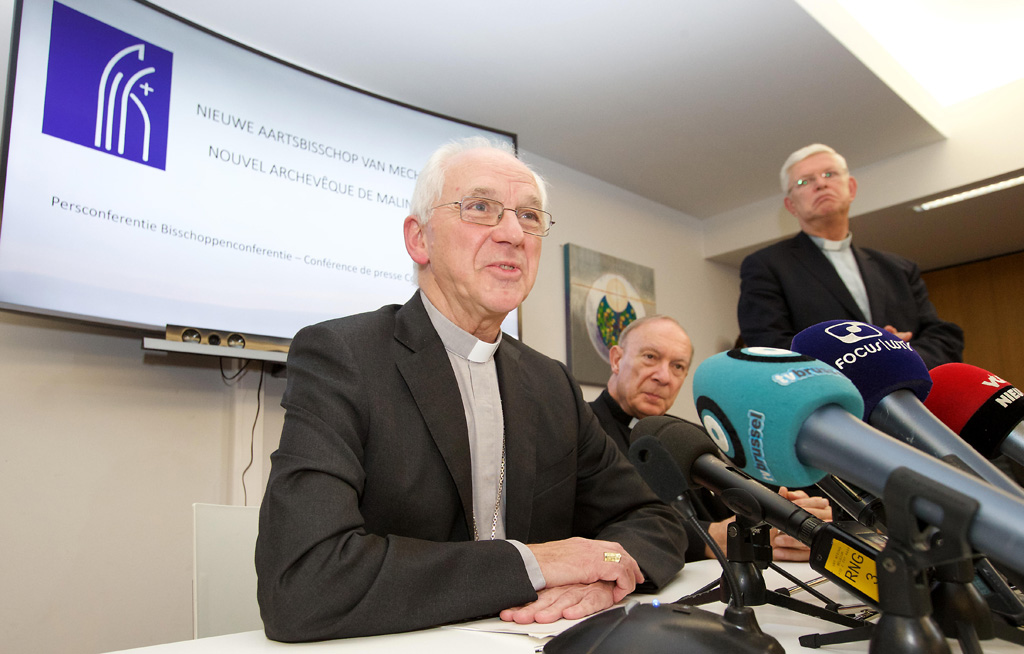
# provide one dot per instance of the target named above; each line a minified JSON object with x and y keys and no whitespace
{"x":877,"y":362}
{"x":753,"y":401}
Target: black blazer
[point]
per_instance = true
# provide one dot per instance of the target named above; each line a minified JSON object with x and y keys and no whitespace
{"x":789,"y":286}
{"x":365,"y":527}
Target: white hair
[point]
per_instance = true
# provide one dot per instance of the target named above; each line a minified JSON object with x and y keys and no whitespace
{"x":430,"y":181}
{"x":803,"y":153}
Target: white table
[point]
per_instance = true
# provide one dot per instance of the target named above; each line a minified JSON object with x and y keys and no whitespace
{"x":496,"y":637}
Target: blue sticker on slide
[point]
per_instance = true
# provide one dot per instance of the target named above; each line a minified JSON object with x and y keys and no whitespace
{"x":106,"y":89}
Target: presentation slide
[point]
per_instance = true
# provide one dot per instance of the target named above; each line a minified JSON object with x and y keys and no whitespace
{"x":157,"y":174}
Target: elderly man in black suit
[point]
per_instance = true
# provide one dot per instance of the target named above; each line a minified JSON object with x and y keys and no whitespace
{"x":432,"y":469}
{"x":819,"y":275}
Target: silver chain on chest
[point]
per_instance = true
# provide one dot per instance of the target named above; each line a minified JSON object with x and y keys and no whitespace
{"x":497,"y":500}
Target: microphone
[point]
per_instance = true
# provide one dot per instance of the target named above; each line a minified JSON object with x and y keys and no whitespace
{"x":985,"y":410}
{"x":784,"y":418}
{"x":894,"y":381}
{"x":660,"y":472}
{"x":665,"y":448}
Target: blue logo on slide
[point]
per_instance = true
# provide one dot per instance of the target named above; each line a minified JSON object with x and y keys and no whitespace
{"x":106,"y":89}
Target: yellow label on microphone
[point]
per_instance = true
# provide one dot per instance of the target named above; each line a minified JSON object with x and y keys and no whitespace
{"x":853,"y":567}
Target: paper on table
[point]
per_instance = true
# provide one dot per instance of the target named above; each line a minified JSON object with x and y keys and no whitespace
{"x":499,"y":626}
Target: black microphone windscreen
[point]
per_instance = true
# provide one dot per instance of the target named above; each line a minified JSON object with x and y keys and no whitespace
{"x":658,"y":469}
{"x":684,"y":441}
{"x":650,"y":426}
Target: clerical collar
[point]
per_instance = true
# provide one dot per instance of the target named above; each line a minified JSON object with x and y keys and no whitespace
{"x":833,"y":246}
{"x":457,"y":340}
{"x":618,"y":413}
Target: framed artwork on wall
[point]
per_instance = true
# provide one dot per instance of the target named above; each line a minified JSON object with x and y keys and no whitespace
{"x":603,"y":294}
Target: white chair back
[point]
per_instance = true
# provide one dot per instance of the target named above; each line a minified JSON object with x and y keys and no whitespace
{"x":224,"y":571}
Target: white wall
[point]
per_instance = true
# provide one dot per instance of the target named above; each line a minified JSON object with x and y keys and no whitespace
{"x":103,"y":450}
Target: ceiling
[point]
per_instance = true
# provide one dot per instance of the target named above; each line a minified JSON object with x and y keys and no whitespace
{"x":691,"y":104}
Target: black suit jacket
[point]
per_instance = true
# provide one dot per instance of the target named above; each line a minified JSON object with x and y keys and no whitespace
{"x":789,"y":286}
{"x":365,"y":527}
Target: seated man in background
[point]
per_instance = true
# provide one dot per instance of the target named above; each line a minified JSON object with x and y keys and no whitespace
{"x":819,"y":275}
{"x":649,"y":364}
{"x":432,"y":469}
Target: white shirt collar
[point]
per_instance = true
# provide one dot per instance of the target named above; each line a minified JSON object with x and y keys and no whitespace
{"x":833,"y":246}
{"x":457,"y":340}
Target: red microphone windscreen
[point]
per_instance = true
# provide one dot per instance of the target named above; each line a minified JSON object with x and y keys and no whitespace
{"x":959,"y":390}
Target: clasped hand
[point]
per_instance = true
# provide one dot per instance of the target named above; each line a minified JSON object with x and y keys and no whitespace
{"x":580,"y":581}
{"x":784,"y":546}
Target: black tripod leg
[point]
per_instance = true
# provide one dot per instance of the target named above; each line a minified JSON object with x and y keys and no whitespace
{"x":713,"y":592}
{"x":814,"y":611}
{"x":815,"y":641}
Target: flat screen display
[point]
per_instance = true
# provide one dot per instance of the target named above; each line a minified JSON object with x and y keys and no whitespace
{"x":155,"y":173}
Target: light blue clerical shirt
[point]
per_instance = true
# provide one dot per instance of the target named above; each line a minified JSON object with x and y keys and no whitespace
{"x":842,"y":259}
{"x":473,"y":363}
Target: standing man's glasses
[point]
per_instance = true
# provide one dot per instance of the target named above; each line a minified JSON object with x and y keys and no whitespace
{"x":805,"y":182}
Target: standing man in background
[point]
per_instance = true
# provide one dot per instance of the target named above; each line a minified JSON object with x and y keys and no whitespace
{"x":649,"y":364}
{"x":432,"y":469}
{"x":819,"y":275}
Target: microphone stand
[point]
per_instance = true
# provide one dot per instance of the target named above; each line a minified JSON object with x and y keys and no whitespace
{"x":749,"y":552}
{"x":926,"y":578}
{"x":906,"y":625}
{"x":958,"y":606}
{"x":738,"y":615}
{"x":990,"y":581}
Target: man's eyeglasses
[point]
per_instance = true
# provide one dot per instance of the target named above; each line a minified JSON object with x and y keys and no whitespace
{"x":805,"y":182}
{"x":482,"y":211}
